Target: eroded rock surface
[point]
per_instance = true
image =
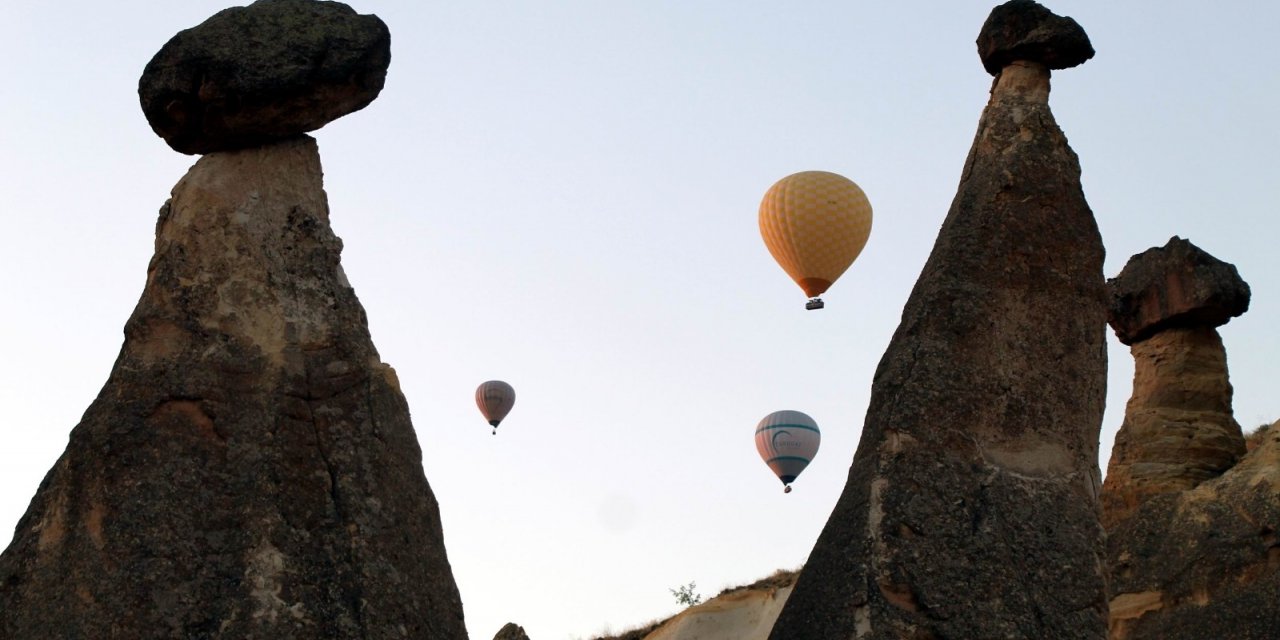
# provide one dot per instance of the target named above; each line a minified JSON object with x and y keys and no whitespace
{"x":1179,"y":429}
{"x":271,"y":70}
{"x":249,"y":470}
{"x":971,"y":507}
{"x":1203,"y":563}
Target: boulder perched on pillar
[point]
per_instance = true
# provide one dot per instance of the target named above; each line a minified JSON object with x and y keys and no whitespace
{"x":271,"y":70}
{"x":970,"y":510}
{"x":249,"y":470}
{"x":1179,"y":429}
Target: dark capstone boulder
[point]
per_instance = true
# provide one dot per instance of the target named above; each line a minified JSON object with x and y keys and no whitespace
{"x":249,"y":470}
{"x":271,"y":70}
{"x":971,"y":507}
{"x":1177,"y":285}
{"x":511,"y":631}
{"x":1025,"y":30}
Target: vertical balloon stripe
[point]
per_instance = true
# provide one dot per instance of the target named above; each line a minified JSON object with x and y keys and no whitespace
{"x":495,"y":399}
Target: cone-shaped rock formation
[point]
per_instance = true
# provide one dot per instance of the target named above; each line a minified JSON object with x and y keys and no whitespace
{"x":249,"y":470}
{"x":1178,"y":428}
{"x":971,"y":507}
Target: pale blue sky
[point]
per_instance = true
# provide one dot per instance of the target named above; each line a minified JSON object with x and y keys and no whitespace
{"x":563,"y":195}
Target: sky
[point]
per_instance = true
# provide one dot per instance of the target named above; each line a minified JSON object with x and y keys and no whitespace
{"x":564,"y":196}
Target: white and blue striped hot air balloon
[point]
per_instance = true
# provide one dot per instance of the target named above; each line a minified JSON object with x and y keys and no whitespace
{"x":788,"y":441}
{"x":495,"y":399}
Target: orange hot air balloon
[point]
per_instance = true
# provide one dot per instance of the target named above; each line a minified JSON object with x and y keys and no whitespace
{"x":495,"y":399}
{"x":815,"y":223}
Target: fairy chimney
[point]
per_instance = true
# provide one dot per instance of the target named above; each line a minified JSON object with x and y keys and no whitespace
{"x":970,"y":510}
{"x":249,"y":469}
{"x":1178,"y":428}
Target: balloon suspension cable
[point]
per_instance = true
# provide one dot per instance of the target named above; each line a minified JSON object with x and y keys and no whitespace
{"x":814,"y":303}
{"x":787,"y":490}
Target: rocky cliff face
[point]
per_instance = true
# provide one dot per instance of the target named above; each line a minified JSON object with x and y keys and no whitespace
{"x":971,"y":507}
{"x":249,"y":469}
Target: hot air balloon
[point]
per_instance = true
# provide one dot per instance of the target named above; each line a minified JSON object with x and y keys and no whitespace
{"x":495,"y":399}
{"x":787,"y":441}
{"x":815,"y":224}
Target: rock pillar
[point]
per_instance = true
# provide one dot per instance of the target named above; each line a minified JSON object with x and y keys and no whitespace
{"x":1178,"y":428}
{"x":971,"y":507}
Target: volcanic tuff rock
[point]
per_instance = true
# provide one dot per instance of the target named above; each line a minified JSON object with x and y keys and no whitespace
{"x":1178,"y":428}
{"x":1203,"y":563}
{"x":249,"y":470}
{"x":271,"y":70}
{"x":1177,"y":285}
{"x":971,"y":507}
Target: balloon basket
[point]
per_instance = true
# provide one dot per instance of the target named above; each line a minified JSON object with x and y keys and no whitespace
{"x":814,"y":303}
{"x":787,"y":490}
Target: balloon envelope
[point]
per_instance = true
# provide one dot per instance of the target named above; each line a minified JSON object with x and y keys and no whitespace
{"x":815,"y":223}
{"x":495,"y":399}
{"x":787,"y":441}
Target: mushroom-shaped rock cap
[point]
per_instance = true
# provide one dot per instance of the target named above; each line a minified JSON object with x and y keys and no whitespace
{"x":1177,"y":285}
{"x":271,"y":70}
{"x":1026,"y":30}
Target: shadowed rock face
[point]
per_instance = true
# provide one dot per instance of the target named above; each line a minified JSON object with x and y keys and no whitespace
{"x":971,"y":507}
{"x":271,"y":70}
{"x":249,"y":470}
{"x":1203,"y":563}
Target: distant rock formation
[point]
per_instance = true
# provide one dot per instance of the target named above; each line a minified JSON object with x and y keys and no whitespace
{"x":971,"y":508}
{"x":511,"y":631}
{"x":271,"y":70}
{"x":249,"y":470}
{"x":1205,"y":562}
{"x":741,"y":613}
{"x":1178,"y":428}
